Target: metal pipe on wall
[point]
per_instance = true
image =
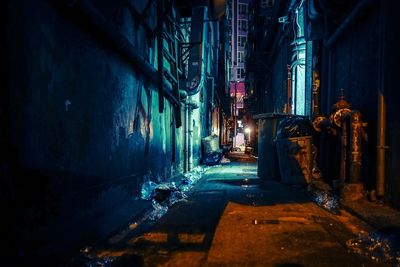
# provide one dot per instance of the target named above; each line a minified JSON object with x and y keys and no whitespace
{"x":185,"y":131}
{"x":381,"y":123}
{"x":189,"y":138}
{"x":160,"y":55}
{"x":381,"y":146}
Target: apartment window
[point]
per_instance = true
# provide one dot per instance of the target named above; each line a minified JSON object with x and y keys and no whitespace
{"x":240,"y":57}
{"x":242,"y":25}
{"x":240,"y":73}
{"x":243,"y":9}
{"x":242,"y":40}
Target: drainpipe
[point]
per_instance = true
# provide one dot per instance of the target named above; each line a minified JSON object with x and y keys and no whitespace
{"x":160,"y":56}
{"x":361,"y":5}
{"x":185,"y":147}
{"x":381,"y":132}
{"x":189,"y":138}
{"x":381,"y":124}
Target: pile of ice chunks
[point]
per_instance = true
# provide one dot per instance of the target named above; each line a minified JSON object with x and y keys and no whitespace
{"x":326,"y":200}
{"x":164,"y":195}
{"x":378,"y":246}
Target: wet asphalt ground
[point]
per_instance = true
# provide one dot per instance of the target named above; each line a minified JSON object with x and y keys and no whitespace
{"x":232,"y":218}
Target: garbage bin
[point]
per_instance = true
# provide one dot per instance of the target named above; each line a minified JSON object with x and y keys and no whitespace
{"x":268,"y":168}
{"x":295,"y":161}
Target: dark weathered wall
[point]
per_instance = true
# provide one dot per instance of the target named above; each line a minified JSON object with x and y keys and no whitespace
{"x":279,"y":77}
{"x":354,"y":68}
{"x":356,"y":65}
{"x":392,"y":98}
{"x":85,"y":125}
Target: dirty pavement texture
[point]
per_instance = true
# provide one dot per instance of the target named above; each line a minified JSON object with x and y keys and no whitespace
{"x":232,"y":218}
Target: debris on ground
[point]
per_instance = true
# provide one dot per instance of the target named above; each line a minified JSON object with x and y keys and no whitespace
{"x":159,"y":210}
{"x":378,"y":246}
{"x":321,"y":193}
{"x":212,"y":154}
{"x":164,"y":195}
{"x":225,"y":160}
{"x":212,"y":158}
{"x":91,"y":259}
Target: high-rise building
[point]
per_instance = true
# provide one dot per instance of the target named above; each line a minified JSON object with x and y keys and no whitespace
{"x":239,"y":29}
{"x":239,"y":24}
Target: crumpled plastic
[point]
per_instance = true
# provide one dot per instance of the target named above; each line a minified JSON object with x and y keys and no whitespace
{"x":378,"y":246}
{"x":148,"y":190}
{"x":326,"y":200}
{"x":158,"y":211}
{"x":91,"y":259}
{"x":164,"y":195}
{"x":212,"y":158}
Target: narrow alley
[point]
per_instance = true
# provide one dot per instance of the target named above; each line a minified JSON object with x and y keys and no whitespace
{"x":200,"y":133}
{"x":232,"y":218}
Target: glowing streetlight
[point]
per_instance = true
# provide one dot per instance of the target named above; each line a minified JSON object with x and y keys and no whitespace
{"x":248,"y":131}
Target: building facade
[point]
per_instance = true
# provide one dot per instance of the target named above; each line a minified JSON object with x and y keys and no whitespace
{"x":333,"y":61}
{"x":124,"y":92}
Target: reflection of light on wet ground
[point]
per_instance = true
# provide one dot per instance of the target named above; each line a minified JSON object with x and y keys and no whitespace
{"x":377,"y":246}
{"x":191,"y":238}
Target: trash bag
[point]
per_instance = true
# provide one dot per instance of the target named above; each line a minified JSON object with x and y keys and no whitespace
{"x":164,"y":195}
{"x":212,"y":154}
{"x":210,"y":143}
{"x":212,"y":158}
{"x":294,"y":127}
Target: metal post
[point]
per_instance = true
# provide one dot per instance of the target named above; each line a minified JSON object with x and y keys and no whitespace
{"x":381,"y":147}
{"x":235,"y":118}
